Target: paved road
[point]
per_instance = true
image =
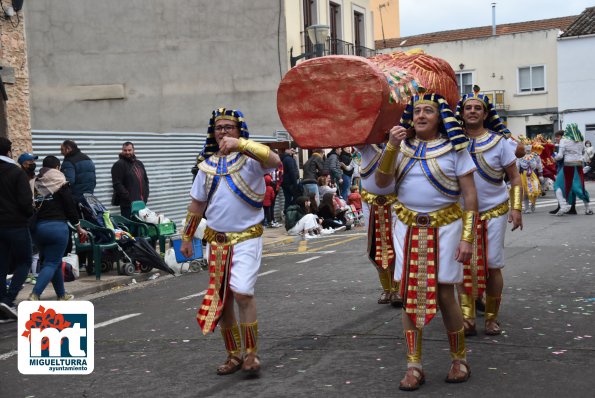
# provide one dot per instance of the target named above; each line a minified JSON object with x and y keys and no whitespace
{"x":323,"y":335}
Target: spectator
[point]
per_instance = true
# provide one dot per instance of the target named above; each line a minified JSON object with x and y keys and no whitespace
{"x":300,"y":221}
{"x":332,"y":166}
{"x":324,"y":185}
{"x":78,"y":169}
{"x":27,"y":162}
{"x":16,"y":206}
{"x":327,"y":211}
{"x":355,"y":198}
{"x":313,"y":168}
{"x":50,"y":232}
{"x":291,"y":175}
{"x":129,"y":179}
{"x":269,"y":200}
{"x":347,"y":169}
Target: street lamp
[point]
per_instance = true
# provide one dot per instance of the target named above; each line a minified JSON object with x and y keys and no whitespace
{"x":317,"y":35}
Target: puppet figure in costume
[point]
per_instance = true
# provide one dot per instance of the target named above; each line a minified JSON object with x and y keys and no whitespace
{"x":570,"y":182}
{"x":229,"y":190}
{"x":378,"y":212}
{"x":494,"y":158}
{"x":427,"y":162}
{"x":531,"y":171}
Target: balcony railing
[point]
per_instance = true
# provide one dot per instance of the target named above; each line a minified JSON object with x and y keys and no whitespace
{"x":336,"y":47}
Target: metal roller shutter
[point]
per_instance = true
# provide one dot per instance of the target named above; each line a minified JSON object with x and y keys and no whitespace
{"x":168,"y":158}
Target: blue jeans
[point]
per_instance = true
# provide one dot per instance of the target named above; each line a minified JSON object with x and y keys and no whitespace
{"x":51,"y":237}
{"x":345,"y":187}
{"x":312,"y":189}
{"x":15,"y":248}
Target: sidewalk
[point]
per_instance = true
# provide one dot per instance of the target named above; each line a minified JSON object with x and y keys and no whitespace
{"x":87,"y":284}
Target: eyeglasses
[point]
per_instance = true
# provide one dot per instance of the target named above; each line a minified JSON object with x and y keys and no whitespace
{"x":228,"y":128}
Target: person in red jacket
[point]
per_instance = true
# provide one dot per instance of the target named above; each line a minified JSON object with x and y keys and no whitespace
{"x":269,"y":202}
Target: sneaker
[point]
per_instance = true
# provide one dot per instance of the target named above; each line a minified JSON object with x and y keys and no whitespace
{"x":310,"y":236}
{"x":588,"y":212}
{"x":33,"y":297}
{"x":10,"y":312}
{"x":275,"y":224}
{"x":66,"y":297}
{"x":341,"y":228}
{"x":326,"y":232}
{"x":563,"y":210}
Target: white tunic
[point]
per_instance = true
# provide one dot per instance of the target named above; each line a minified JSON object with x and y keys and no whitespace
{"x":571,"y":152}
{"x":370,"y":155}
{"x":226,"y":211}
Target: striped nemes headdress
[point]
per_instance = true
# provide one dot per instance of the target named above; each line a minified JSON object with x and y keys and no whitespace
{"x":450,"y":126}
{"x":573,"y":133}
{"x":211,"y":147}
{"x":493,"y":121}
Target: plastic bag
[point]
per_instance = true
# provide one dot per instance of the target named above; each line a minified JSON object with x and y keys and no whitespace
{"x":70,"y":267}
{"x":170,"y":260}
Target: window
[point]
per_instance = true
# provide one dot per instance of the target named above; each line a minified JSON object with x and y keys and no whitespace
{"x":465,"y":82}
{"x":532,"y":79}
{"x":335,"y":19}
{"x":358,"y":32}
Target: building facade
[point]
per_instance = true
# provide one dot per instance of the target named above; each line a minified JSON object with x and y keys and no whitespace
{"x":517,"y":67}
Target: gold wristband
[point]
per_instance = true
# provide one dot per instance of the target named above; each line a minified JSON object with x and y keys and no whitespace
{"x":255,"y":150}
{"x":192,"y":221}
{"x":470,"y":218}
{"x":516,"y":196}
{"x":386,"y":165}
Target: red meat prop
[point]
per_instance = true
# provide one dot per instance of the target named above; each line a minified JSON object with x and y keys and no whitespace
{"x":338,"y":101}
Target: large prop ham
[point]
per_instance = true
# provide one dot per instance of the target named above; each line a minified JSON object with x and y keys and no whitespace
{"x":338,"y":101}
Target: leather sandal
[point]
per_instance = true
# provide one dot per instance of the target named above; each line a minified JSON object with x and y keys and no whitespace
{"x":469,"y":326}
{"x":493,"y":328}
{"x":459,"y":372}
{"x":413,"y":379}
{"x":396,"y":300}
{"x":232,"y":365}
{"x":251,"y":364}
{"x":384,"y":297}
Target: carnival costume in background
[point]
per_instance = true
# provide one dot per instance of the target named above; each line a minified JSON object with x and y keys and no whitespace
{"x":429,"y":226}
{"x":570,"y":182}
{"x":492,"y":155}
{"x":233,"y":188}
{"x":531,"y":171}
{"x":378,"y":212}
{"x":548,"y":161}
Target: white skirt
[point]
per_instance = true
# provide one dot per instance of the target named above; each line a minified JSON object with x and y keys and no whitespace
{"x":245,"y":264}
{"x":449,"y":270}
{"x":496,"y":232}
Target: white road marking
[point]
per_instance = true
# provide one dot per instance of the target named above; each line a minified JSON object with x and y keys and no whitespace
{"x":307,"y":259}
{"x":199,"y":294}
{"x":8,"y":355}
{"x":97,"y":326}
{"x":115,"y":320}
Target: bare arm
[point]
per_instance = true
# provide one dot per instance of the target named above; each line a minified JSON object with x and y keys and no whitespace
{"x":385,"y":173}
{"x":267,"y":158}
{"x":514,"y":216}
{"x":467,"y":185}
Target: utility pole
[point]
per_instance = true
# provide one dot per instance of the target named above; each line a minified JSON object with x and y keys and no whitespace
{"x":380,"y":7}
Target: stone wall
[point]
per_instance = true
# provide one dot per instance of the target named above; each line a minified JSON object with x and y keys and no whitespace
{"x":15,"y":74}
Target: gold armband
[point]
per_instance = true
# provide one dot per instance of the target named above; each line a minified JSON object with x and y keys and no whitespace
{"x":255,"y":150}
{"x":470,"y":218}
{"x":386,"y":165}
{"x":190,"y":226}
{"x":516,"y":195}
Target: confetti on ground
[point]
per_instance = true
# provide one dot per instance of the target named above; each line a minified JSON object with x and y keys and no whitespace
{"x":279,"y":366}
{"x":493,"y":368}
{"x":348,"y":382}
{"x":529,"y":328}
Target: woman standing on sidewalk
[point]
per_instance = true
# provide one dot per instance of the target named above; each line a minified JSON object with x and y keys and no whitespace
{"x":50,"y":232}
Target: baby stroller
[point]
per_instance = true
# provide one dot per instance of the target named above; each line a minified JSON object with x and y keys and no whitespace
{"x":136,"y":254}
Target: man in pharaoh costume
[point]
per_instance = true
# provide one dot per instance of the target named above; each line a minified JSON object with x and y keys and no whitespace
{"x":570,"y":182}
{"x":494,"y":159}
{"x":427,"y":162}
{"x":379,"y":216}
{"x":229,"y":190}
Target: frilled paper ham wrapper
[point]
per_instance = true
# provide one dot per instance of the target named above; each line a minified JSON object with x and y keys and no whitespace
{"x":338,"y":101}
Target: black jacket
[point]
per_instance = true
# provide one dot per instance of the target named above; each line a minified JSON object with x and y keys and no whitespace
{"x":79,"y":171}
{"x":130,"y":181}
{"x":345,"y":158}
{"x":59,"y":206}
{"x":313,"y":168}
{"x":290,"y":171}
{"x":16,"y":198}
